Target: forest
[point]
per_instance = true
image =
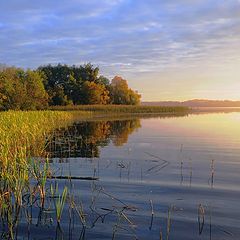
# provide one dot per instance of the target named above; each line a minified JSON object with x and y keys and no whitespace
{"x":61,"y":85}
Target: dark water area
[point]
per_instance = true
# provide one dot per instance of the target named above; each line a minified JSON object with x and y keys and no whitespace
{"x":172,"y":178}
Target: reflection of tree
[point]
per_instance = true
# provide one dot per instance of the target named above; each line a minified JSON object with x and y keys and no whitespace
{"x":84,"y":139}
{"x":122,"y":129}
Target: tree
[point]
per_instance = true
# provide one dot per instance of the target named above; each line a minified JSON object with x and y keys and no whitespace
{"x":103,"y":80}
{"x":56,"y":82}
{"x":120,"y":93}
{"x":134,"y":97}
{"x":94,"y":93}
{"x":58,"y":97}
{"x":71,"y":80}
{"x":21,"y":89}
{"x":37,"y":97}
{"x":89,"y":72}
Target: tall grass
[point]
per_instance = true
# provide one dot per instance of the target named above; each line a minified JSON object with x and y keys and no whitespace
{"x":22,"y":137}
{"x":123,"y":109}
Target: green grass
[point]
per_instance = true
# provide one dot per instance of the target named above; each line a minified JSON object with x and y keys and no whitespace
{"x":121,"y":109}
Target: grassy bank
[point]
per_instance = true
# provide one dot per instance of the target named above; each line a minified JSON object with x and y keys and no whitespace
{"x":121,"y":109}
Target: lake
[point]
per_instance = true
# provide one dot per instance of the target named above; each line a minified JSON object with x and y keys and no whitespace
{"x":172,"y":177}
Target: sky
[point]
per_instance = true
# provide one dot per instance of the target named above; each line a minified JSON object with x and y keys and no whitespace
{"x":166,"y":49}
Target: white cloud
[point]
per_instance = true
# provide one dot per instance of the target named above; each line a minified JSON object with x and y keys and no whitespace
{"x":120,"y":35}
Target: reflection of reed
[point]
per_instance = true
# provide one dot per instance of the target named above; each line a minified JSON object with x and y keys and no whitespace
{"x":181,"y":164}
{"x":169,"y":222}
{"x":210,"y":223}
{"x":159,"y":166}
{"x":191,"y":173}
{"x":212,"y":170}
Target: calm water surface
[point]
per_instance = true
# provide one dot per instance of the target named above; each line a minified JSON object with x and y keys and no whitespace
{"x":176,"y":176}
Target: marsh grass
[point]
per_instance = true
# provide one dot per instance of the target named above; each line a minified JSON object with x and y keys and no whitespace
{"x":22,"y":144}
{"x":118,"y":109}
{"x":60,"y":204}
{"x":26,"y":181}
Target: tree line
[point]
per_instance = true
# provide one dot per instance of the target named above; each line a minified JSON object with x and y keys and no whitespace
{"x":61,"y":85}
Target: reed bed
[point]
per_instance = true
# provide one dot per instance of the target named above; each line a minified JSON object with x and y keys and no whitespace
{"x":22,"y":143}
{"x":118,"y":109}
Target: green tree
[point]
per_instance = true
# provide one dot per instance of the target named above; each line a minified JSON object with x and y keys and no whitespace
{"x":71,"y":80}
{"x":58,"y":97}
{"x":103,"y":80}
{"x":21,"y":89}
{"x":56,"y":83}
{"x":37,"y":97}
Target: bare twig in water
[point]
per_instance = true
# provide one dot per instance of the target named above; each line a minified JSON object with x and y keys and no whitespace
{"x":75,"y":178}
{"x":152,"y":213}
{"x":201,"y":218}
{"x":112,"y":197}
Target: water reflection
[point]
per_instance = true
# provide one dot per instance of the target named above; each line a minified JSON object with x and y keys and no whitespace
{"x":185,"y":170}
{"x":84,"y":139}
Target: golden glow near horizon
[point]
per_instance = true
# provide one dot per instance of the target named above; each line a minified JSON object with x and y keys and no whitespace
{"x":203,"y":81}
{"x":218,"y":127}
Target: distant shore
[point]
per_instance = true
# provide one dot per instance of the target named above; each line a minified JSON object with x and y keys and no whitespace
{"x":144,"y":110}
{"x":196,"y":103}
{"x":124,"y":109}
{"x":214,"y":109}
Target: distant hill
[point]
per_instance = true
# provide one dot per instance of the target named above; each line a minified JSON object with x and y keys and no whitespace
{"x":196,"y":103}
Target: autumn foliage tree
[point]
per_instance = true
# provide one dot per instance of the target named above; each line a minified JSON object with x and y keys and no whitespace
{"x":120,"y":93}
{"x":83,"y":85}
{"x":94,"y":93}
{"x":61,"y":85}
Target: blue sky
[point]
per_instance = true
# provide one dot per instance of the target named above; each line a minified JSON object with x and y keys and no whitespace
{"x":167,"y":49}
